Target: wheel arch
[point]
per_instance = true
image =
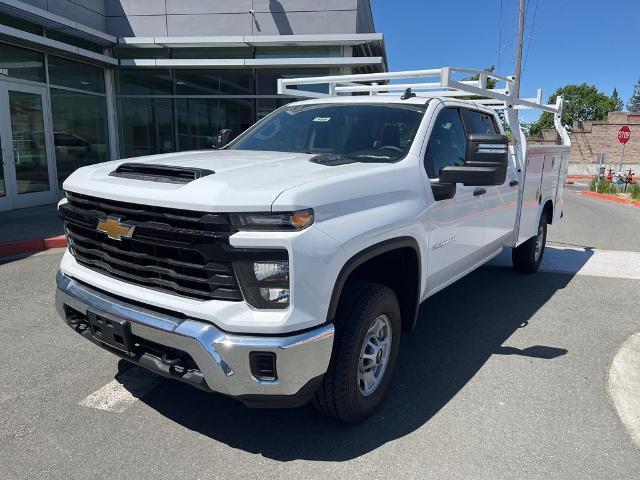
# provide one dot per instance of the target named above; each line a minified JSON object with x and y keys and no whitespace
{"x":405,"y":283}
{"x":547,"y":209}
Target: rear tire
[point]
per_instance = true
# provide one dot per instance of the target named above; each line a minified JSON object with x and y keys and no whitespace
{"x":527,"y":257}
{"x":364,"y":353}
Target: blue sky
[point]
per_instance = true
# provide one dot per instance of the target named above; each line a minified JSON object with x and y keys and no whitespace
{"x":571,"y":41}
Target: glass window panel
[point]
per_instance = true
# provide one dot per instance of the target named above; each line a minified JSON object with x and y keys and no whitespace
{"x":214,"y":82}
{"x":146,"y":126}
{"x":447,"y":143}
{"x":20,"y":24}
{"x":68,"y":73}
{"x":140,"y":53}
{"x":236,"y":114}
{"x":267,"y":80}
{"x":198,"y":122}
{"x":3,"y":190}
{"x":75,"y":41}
{"x":201,"y":119}
{"x":214,"y":52}
{"x":29,"y":146}
{"x":21,"y":63}
{"x":143,"y":82}
{"x":299,"y":52}
{"x":79,"y":130}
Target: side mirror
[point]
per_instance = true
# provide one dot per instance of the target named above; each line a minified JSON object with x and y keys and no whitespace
{"x":485,"y":163}
{"x":223,"y":138}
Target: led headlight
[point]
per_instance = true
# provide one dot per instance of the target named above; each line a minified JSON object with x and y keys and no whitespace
{"x":297,"y":220}
{"x":265,"y":284}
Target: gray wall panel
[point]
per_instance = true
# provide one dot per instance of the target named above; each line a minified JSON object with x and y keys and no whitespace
{"x":303,"y":5}
{"x":299,"y":23}
{"x":77,"y":13}
{"x":138,"y":26}
{"x":211,"y":24}
{"x":118,"y":8}
{"x":37,"y":3}
{"x":97,"y":6}
{"x":178,"y":7}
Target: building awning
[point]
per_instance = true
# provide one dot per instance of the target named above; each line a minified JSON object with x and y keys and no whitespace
{"x":27,"y":39}
{"x":253,"y":62}
{"x":52,"y":21}
{"x":251,"y":40}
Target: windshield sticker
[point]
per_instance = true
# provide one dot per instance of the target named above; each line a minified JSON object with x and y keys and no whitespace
{"x":322,"y":119}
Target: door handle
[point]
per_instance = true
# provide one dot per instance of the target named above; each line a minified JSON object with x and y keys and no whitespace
{"x":479,"y":191}
{"x":513,"y":183}
{"x":16,"y":156}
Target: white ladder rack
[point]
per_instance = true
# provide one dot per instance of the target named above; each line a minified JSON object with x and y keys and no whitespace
{"x":442,"y":85}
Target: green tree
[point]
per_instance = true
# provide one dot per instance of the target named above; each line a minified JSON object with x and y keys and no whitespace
{"x":618,"y":101}
{"x":633,"y":105}
{"x":581,"y":102}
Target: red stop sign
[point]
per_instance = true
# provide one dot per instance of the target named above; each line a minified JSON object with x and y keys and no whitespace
{"x":624,"y":134}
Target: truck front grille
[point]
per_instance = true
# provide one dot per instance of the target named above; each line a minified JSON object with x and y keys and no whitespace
{"x":181,"y":252}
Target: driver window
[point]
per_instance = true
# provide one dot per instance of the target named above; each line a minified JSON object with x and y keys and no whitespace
{"x":447,"y":144}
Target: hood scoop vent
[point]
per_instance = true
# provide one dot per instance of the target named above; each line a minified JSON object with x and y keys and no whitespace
{"x":331,"y":159}
{"x":159,"y":173}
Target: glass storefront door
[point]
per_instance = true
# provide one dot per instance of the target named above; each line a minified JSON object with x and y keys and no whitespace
{"x":27,"y":177}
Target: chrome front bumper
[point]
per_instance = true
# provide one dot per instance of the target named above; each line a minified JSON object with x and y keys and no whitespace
{"x":222,"y":358}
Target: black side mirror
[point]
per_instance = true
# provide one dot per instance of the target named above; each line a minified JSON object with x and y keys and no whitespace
{"x":223,"y":138}
{"x":485,"y":163}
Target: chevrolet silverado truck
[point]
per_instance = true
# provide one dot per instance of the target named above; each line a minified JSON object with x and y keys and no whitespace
{"x":284,"y":266}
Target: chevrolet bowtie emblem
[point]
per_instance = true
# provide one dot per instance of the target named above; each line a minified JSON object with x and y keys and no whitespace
{"x":114,"y":229}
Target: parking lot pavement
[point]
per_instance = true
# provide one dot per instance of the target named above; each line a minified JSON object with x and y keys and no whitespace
{"x":505,"y":377}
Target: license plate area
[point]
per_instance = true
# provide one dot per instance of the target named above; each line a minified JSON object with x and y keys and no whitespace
{"x":115,"y":333}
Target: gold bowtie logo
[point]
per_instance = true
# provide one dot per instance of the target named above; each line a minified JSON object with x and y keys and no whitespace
{"x":114,"y":229}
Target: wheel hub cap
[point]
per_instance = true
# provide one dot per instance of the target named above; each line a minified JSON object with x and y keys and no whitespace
{"x":374,"y":355}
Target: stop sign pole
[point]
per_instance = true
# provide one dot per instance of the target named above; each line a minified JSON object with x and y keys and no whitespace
{"x":624,"y":135}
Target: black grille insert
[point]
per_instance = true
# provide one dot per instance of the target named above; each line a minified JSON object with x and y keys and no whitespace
{"x":181,"y":252}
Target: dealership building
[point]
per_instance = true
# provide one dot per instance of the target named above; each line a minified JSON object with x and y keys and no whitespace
{"x":86,"y":81}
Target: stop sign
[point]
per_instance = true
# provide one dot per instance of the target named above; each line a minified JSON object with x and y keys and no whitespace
{"x":624,"y":134}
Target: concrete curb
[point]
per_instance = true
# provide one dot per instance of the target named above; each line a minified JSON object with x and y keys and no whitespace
{"x":624,"y":385}
{"x":610,"y":198}
{"x":32,"y":246}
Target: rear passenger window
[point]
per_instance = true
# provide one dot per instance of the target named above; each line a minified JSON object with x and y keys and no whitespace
{"x":478,"y":122}
{"x":447,"y":144}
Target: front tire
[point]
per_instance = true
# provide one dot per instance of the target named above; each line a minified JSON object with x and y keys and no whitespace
{"x":527,"y":257}
{"x":364,"y":354}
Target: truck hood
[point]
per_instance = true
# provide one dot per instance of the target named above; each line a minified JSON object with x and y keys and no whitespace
{"x":243,"y":180}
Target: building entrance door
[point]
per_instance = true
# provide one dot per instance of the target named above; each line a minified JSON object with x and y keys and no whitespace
{"x":27,"y":173}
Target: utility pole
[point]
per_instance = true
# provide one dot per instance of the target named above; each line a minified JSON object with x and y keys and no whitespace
{"x":518,"y":73}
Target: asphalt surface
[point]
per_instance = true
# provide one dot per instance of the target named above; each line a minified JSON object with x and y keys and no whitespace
{"x":505,"y":377}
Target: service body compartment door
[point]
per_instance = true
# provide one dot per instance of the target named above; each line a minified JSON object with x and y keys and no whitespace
{"x":531,"y":195}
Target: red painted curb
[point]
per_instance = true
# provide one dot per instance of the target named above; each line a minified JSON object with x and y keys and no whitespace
{"x":579,"y":177}
{"x":32,"y":246}
{"x":610,"y":198}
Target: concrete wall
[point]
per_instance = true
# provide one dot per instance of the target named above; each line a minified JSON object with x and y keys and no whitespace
{"x":233,"y":17}
{"x":591,"y":138}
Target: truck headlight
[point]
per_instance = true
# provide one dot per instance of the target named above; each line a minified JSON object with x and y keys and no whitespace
{"x":298,"y":220}
{"x":264,"y":284}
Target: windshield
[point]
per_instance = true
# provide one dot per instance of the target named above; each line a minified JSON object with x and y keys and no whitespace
{"x":363,"y":132}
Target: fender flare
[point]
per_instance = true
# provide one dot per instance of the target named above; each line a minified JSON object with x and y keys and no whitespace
{"x":366,"y":255}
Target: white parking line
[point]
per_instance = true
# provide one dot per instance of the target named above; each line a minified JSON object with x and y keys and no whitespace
{"x":122,"y":392}
{"x":581,"y":261}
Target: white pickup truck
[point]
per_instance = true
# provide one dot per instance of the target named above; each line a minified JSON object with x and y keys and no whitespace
{"x":284,"y":266}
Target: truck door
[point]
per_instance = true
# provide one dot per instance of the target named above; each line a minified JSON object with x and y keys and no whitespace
{"x":454,"y":225}
{"x":500,"y":201}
